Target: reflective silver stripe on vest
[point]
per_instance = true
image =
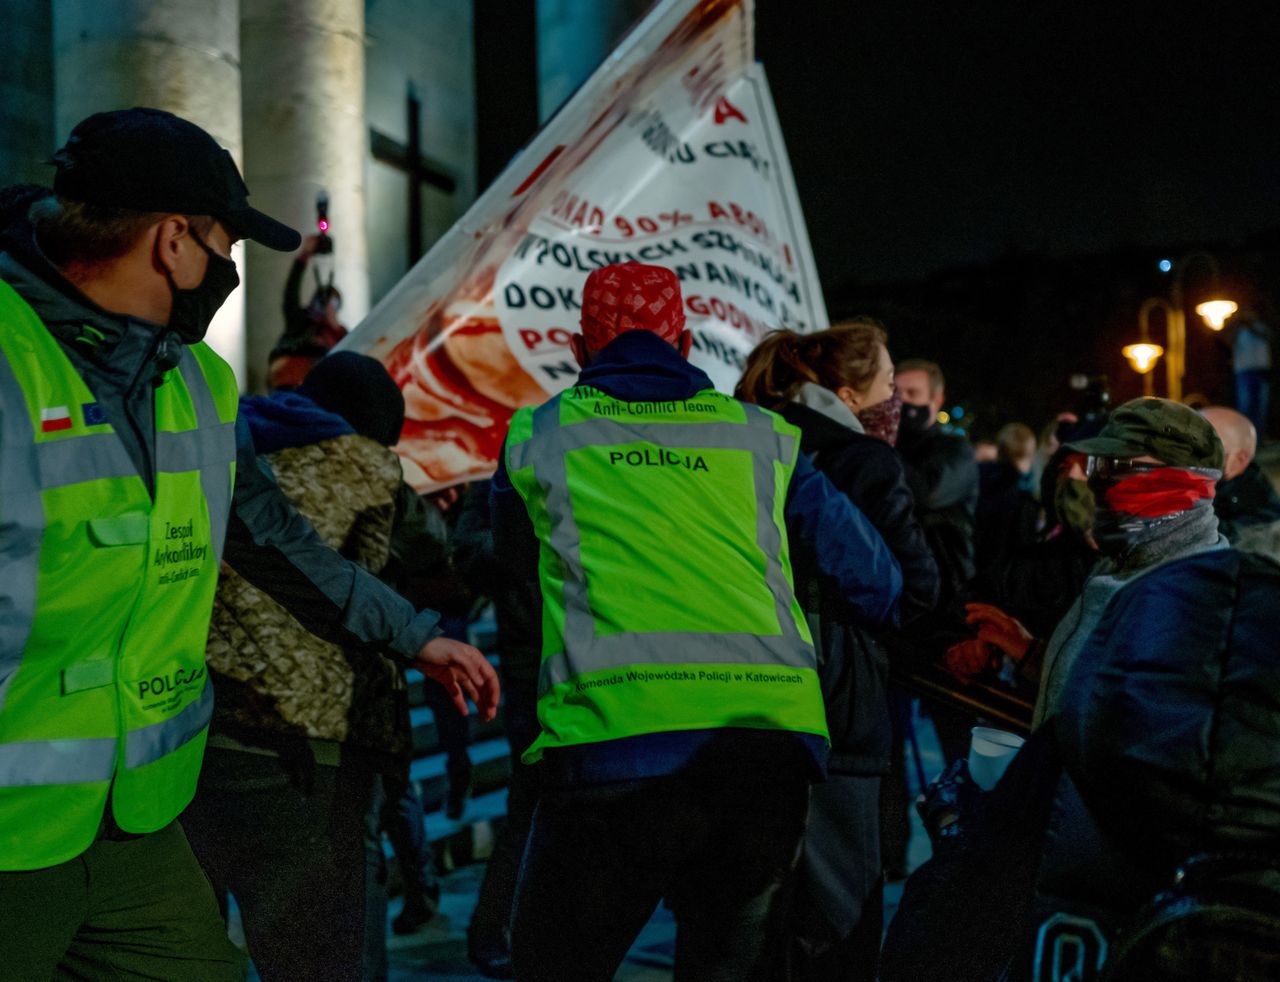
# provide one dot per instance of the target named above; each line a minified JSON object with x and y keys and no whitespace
{"x":149,"y":743}
{"x":21,"y":525}
{"x":768,"y":535}
{"x":215,"y":467}
{"x":546,"y":450}
{"x":57,"y":762}
{"x":77,"y":459}
{"x":193,"y":450}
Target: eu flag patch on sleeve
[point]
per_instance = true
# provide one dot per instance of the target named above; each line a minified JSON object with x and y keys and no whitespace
{"x":93,"y":414}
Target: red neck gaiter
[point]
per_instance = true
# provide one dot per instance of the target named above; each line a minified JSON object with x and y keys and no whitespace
{"x":1154,"y":494}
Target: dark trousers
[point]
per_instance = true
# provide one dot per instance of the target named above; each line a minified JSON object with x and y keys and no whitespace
{"x":719,"y":847}
{"x":452,"y":730}
{"x":837,"y":913}
{"x":491,"y":922}
{"x":895,"y":793}
{"x":401,"y":817}
{"x":286,"y":838}
{"x":138,"y":908}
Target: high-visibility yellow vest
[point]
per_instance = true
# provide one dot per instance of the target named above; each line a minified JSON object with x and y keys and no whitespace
{"x":668,"y":597}
{"x":105,"y":595}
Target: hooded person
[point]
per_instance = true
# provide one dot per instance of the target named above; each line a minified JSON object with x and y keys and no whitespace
{"x":680,"y":712}
{"x":303,"y":730}
{"x":1153,"y":472}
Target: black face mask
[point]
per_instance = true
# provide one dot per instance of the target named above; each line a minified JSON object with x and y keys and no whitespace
{"x":915,"y":420}
{"x":193,"y":309}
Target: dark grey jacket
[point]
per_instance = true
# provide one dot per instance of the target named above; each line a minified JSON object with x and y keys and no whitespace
{"x":122,"y":360}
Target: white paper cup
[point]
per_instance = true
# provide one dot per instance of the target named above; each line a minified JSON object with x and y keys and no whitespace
{"x":989,"y":754}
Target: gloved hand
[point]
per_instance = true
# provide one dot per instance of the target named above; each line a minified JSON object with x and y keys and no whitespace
{"x":967,"y":658}
{"x":999,"y":629}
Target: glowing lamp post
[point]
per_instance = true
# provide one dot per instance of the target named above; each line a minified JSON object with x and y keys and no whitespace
{"x":1216,"y":312}
{"x":1142,"y":358}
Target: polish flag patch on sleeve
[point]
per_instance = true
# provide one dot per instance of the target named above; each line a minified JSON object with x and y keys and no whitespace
{"x":55,"y":419}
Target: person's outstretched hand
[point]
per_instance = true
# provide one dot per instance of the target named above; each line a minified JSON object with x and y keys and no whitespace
{"x":464,"y":673}
{"x":967,"y":658}
{"x":998,"y":628}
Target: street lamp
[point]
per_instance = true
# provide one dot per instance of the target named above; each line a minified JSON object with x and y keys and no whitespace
{"x":1215,"y":313}
{"x":1143,"y":357}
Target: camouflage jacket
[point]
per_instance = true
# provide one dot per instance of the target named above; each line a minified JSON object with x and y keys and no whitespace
{"x":273,"y":678}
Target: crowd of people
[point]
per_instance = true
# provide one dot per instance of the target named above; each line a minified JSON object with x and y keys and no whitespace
{"x":711,"y":649}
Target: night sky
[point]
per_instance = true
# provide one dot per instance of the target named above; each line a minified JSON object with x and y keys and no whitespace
{"x":926,"y":135}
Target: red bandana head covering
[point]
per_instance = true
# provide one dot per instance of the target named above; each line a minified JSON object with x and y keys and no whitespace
{"x":1154,"y":494}
{"x":631,"y":297}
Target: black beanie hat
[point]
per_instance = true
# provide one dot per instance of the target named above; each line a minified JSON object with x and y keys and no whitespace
{"x":359,"y":389}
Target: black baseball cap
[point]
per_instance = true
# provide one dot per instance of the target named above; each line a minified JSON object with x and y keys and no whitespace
{"x":152,"y":160}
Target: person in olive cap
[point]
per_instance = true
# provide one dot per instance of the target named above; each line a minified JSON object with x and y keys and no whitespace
{"x":127,"y":479}
{"x":1153,"y":470}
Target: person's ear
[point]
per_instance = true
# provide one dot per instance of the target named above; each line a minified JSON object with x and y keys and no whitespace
{"x":169,"y":252}
{"x":850,"y":398}
{"x":578,"y":345}
{"x":1235,"y":463}
{"x":685,"y":344}
{"x":938,"y":399}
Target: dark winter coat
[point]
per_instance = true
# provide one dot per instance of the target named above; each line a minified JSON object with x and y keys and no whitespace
{"x":1247,"y":499}
{"x":1171,"y":714}
{"x":274,"y":679}
{"x":943,"y":477}
{"x":1006,"y":516}
{"x":854,"y":668}
{"x":1163,"y":747}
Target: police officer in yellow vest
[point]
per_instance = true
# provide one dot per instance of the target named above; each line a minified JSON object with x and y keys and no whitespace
{"x":124,"y":481}
{"x":678,"y":700}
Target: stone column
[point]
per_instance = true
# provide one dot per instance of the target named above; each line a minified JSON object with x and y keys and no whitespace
{"x":305,"y":131}
{"x":26,"y":94}
{"x":178,"y":55}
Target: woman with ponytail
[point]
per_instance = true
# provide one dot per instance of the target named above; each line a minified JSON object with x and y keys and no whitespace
{"x":837,"y":387}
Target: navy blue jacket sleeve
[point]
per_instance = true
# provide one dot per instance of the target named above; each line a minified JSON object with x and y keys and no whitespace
{"x":277,"y":550}
{"x":515,"y":544}
{"x":845,"y":546}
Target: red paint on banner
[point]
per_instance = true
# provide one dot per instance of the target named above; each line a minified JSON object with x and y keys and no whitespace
{"x":538,"y":172}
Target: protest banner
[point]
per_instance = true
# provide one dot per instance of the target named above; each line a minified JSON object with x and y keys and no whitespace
{"x":671,"y":154}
